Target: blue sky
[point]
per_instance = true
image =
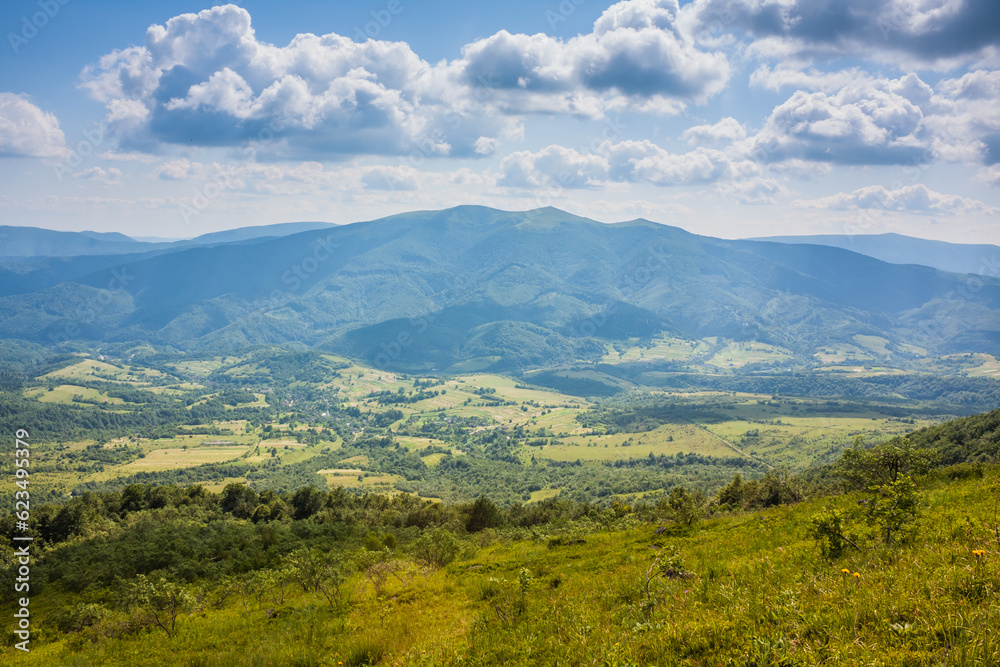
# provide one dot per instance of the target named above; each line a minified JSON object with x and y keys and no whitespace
{"x":732,"y":118}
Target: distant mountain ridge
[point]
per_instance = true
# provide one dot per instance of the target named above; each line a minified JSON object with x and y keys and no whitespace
{"x":899,"y":249}
{"x":30,"y":242}
{"x":431,"y":289}
{"x":36,"y":242}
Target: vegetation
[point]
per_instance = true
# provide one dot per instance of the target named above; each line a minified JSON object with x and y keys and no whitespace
{"x":160,"y":575}
{"x":294,"y":507}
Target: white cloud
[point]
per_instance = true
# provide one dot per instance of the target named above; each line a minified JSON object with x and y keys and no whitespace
{"x":27,"y":131}
{"x":179,"y":170}
{"x":966,"y":118}
{"x":808,"y":79}
{"x":205,"y":79}
{"x":637,"y":57}
{"x":869,"y":123}
{"x":552,"y":166}
{"x":990,"y":175}
{"x":726,"y":131}
{"x":624,"y":162}
{"x":755,"y":190}
{"x":109,"y":176}
{"x":910,"y":199}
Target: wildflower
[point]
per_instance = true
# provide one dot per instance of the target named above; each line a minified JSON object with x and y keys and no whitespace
{"x":857,"y":574}
{"x":978,"y":553}
{"x":846,"y":571}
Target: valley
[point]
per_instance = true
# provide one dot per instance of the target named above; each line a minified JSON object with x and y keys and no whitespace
{"x":608,"y":431}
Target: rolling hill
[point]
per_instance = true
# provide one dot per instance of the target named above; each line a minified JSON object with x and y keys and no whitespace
{"x":426,"y":290}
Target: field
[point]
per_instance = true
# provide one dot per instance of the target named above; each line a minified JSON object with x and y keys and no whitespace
{"x":164,"y":459}
{"x":737,"y":355}
{"x":313,"y":419}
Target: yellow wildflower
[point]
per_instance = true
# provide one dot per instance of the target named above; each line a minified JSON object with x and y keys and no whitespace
{"x":857,"y":574}
{"x":846,"y":571}
{"x":978,"y":553}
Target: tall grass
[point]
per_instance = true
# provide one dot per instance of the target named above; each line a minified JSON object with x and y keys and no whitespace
{"x":761,"y":594}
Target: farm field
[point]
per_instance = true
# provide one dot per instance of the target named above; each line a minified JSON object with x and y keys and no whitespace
{"x":275,"y":426}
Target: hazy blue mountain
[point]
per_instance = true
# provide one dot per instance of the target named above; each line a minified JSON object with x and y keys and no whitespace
{"x":261,"y":231}
{"x":471,"y":284}
{"x":36,"y":242}
{"x":899,"y":249}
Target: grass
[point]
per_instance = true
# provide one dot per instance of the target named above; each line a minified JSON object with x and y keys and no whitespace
{"x":65,"y":393}
{"x":758,"y":594}
{"x":661,"y":349}
{"x":839,"y":353}
{"x":737,"y":355}
{"x":166,"y":459}
{"x":686,"y":438}
{"x":876,"y":344}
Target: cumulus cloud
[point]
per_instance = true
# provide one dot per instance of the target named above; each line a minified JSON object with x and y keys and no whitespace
{"x":852,"y":117}
{"x":910,"y":199}
{"x":27,"y":131}
{"x":726,"y":131}
{"x":938,"y":33}
{"x":553,"y":165}
{"x":206,"y":79}
{"x":625,"y":162}
{"x":874,"y":122}
{"x":637,"y":56}
{"x":966,"y":117}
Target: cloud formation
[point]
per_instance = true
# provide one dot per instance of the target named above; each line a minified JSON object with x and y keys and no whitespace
{"x":910,"y":199}
{"x":932,"y":33}
{"x":27,"y":131}
{"x":205,"y":79}
{"x":627,"y":161}
{"x":637,"y":56}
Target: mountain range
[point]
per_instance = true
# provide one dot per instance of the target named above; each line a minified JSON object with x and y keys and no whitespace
{"x":37,"y":242}
{"x":432,"y":289}
{"x":899,"y":249}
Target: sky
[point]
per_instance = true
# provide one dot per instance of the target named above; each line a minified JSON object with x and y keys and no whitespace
{"x":730,"y":118}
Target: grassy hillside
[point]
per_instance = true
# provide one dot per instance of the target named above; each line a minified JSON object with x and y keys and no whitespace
{"x":975,"y":438}
{"x":583,"y":587}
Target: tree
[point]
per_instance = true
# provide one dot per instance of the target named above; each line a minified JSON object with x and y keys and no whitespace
{"x":685,"y":507}
{"x":732,"y":494}
{"x":307,"y":501}
{"x":164,"y":600}
{"x":885,"y":474}
{"x":238,"y":500}
{"x":317,"y":571}
{"x":483,"y":514}
{"x":885,"y":463}
{"x":436,"y":548}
